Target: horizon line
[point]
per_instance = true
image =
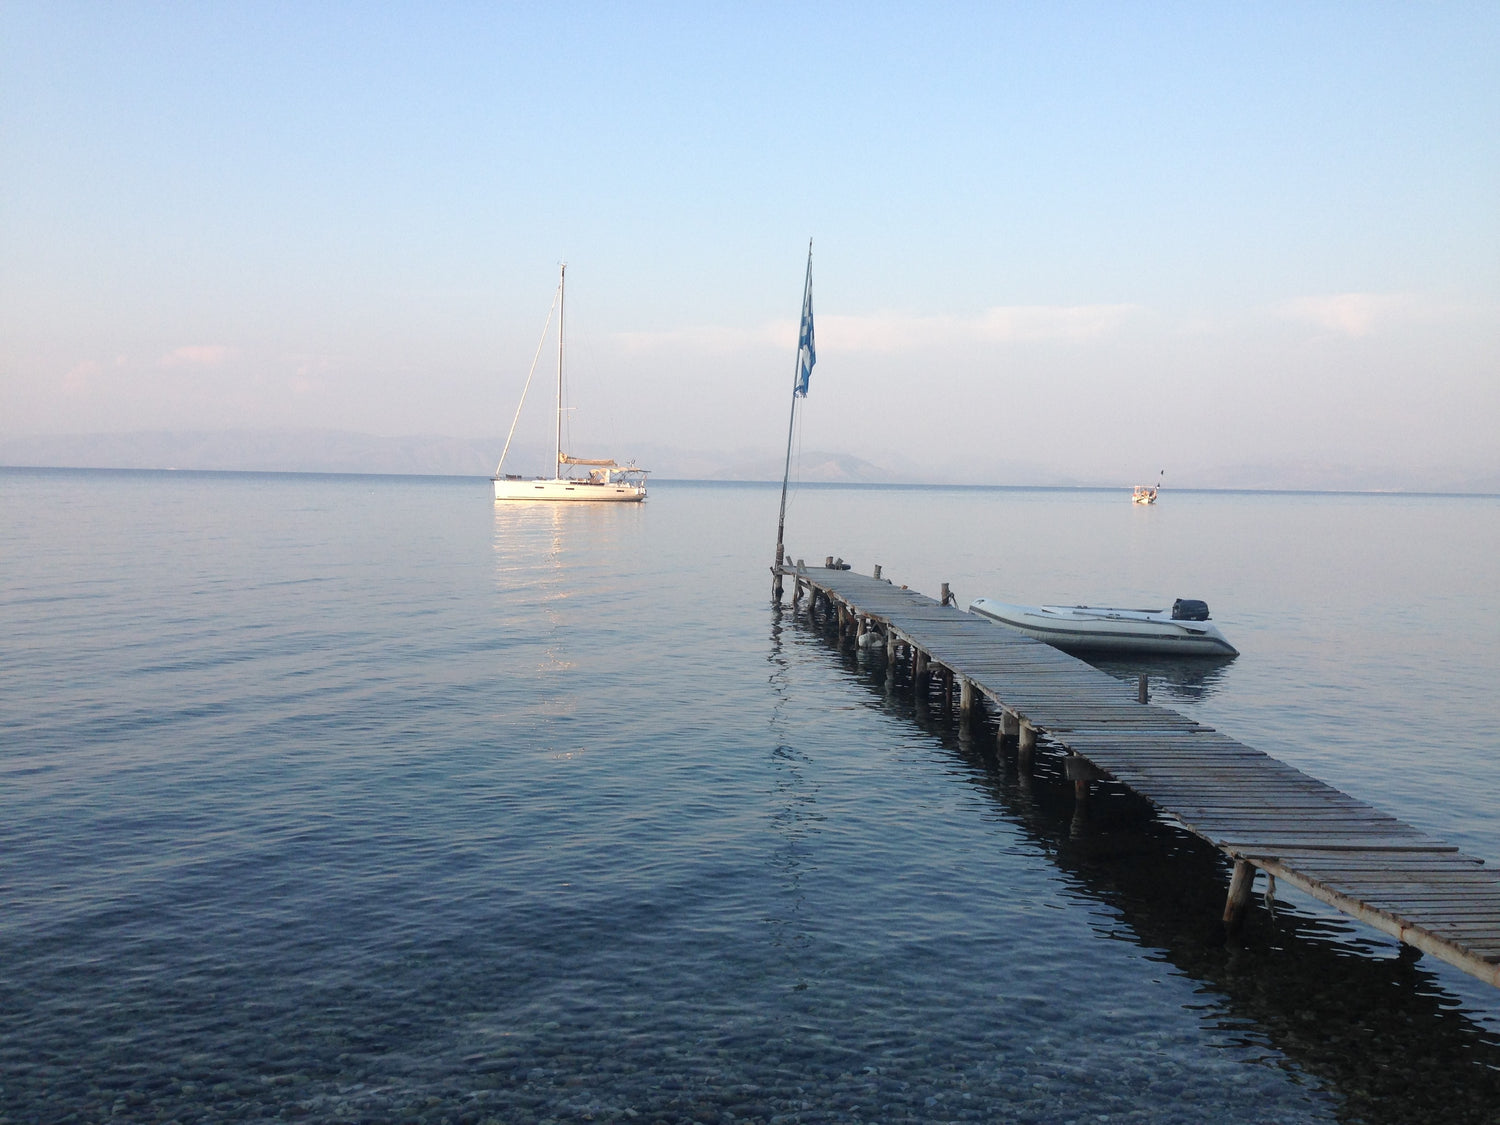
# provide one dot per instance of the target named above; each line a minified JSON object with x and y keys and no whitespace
{"x":893,"y":484}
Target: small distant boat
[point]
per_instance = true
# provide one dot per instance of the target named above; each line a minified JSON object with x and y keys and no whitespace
{"x":1183,"y":630}
{"x":1146,"y":494}
{"x":605,"y":480}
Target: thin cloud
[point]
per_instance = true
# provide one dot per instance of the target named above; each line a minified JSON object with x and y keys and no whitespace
{"x":196,"y":355}
{"x":897,"y":332}
{"x":711,"y":339}
{"x":1005,"y":324}
{"x":81,"y":375}
{"x":1355,"y":314}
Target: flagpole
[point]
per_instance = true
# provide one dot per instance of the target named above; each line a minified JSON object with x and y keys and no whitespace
{"x":791,"y":426}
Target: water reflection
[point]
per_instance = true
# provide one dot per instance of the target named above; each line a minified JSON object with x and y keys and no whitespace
{"x":527,"y":530}
{"x":1170,"y":679}
{"x":1374,"y":1025}
{"x":558,"y":558}
{"x":796,"y":817}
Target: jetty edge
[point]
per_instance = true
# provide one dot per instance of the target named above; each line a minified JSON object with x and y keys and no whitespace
{"x":1262,"y":813}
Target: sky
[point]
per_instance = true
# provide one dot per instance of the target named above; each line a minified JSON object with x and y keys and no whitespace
{"x":1097,"y":240}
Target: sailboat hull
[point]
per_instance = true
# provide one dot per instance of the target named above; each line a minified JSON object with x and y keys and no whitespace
{"x":616,"y":492}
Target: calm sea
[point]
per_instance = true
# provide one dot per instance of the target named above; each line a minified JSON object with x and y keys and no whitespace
{"x":364,"y":799}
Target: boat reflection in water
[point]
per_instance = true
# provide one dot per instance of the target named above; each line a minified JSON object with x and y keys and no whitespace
{"x":1180,"y":680}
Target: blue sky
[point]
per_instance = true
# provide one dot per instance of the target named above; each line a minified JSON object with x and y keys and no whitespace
{"x":1095,"y":236}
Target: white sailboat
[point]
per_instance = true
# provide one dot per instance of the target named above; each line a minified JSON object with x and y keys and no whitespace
{"x":605,"y":480}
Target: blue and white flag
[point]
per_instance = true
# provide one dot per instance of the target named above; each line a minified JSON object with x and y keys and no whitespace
{"x":807,"y":355}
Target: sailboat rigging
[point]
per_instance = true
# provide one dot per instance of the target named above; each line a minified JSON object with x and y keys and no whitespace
{"x":606,"y":480}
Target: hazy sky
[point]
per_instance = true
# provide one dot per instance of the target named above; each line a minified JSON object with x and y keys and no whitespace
{"x":1108,"y":236}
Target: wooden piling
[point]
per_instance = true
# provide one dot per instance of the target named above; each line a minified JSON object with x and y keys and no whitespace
{"x":1080,"y":771}
{"x":1241,"y":883}
{"x":1026,"y":743}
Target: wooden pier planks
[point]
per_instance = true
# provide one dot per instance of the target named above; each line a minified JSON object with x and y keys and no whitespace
{"x":1258,"y":810}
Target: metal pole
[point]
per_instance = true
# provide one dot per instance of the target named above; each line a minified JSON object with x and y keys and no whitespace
{"x":790,"y":426}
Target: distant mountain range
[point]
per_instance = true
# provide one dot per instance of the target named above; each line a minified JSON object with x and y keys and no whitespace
{"x":339,"y":451}
{"x":292,"y":451}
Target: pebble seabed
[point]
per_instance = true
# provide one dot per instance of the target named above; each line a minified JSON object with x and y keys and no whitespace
{"x":511,"y":1086}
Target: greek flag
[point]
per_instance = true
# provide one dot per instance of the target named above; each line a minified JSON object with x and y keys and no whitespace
{"x":807,"y":355}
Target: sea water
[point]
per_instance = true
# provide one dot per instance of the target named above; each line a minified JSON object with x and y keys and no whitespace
{"x":368,"y":799}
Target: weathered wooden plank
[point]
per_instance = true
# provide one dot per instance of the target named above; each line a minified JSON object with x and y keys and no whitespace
{"x":1471,"y":898}
{"x":1321,"y":827}
{"x":1433,"y":883}
{"x":1216,"y":805}
{"x":1417,"y":866}
{"x":1274,"y":848}
{"x":1444,"y":917}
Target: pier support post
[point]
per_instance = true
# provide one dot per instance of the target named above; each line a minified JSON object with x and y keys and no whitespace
{"x":919,"y":665}
{"x":1080,"y":771}
{"x":1026,"y":744}
{"x":948,"y":598}
{"x":1240,"y":885}
{"x":1010,"y":727}
{"x":1141,"y":692}
{"x":966,"y":697}
{"x":877,"y":571}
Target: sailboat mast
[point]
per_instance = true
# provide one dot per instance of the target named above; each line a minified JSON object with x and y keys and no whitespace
{"x":562,"y":278}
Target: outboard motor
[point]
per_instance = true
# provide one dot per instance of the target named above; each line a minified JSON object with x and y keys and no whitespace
{"x":1189,"y":609}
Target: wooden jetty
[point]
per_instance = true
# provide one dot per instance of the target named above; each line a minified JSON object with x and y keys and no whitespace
{"x":1261,"y":812}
